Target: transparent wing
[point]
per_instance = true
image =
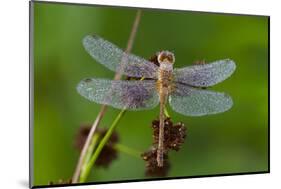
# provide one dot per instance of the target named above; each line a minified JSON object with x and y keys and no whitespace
{"x":133,"y":95}
{"x":117,"y":60}
{"x":205,"y":75}
{"x":196,"y":102}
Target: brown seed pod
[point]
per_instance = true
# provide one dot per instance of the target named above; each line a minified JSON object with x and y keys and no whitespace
{"x":108,"y":153}
{"x":174,"y":134}
{"x":151,"y":167}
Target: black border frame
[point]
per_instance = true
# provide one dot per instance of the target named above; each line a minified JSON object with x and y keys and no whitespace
{"x":31,"y":98}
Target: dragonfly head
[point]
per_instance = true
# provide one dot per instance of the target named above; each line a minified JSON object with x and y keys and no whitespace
{"x":166,"y":59}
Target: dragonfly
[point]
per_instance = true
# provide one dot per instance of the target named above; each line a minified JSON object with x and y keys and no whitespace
{"x":182,"y":88}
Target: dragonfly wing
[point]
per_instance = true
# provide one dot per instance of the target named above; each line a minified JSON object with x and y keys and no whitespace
{"x":133,"y":95}
{"x":117,"y":60}
{"x":205,"y":75}
{"x":197,"y":102}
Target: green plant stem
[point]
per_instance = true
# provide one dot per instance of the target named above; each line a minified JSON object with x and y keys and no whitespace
{"x":90,"y":150}
{"x":127,"y":150}
{"x":166,"y":112}
{"x":85,"y":173}
{"x":99,"y":117}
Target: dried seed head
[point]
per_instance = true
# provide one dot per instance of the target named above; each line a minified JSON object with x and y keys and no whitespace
{"x":151,"y":166}
{"x":174,"y":134}
{"x":108,"y":153}
{"x":81,"y":136}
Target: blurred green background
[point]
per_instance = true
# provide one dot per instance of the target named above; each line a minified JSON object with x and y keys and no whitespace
{"x":231,"y":142}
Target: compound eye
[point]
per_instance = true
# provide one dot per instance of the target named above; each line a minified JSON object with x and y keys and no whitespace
{"x":161,"y":58}
{"x":170,"y":58}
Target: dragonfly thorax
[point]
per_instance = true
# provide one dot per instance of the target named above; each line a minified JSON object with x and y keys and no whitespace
{"x":166,"y":60}
{"x":166,"y":66}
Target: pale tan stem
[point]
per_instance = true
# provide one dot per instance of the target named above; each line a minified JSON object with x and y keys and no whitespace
{"x":131,"y":39}
{"x":103,"y":107}
{"x":87,"y":143}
